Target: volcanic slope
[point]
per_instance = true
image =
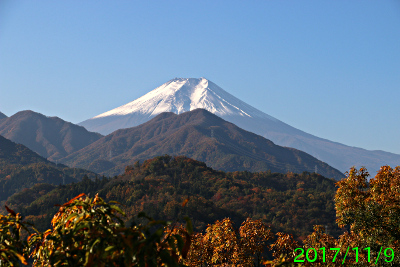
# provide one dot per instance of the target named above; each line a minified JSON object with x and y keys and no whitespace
{"x":200,"y":135}
{"x":50,"y":137}
{"x":181,"y":94}
{"x":22,"y":168}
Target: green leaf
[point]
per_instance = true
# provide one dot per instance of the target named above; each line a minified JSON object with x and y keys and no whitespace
{"x":109,"y":248}
{"x":118,"y":209}
{"x":94,"y":244}
{"x":179,"y":239}
{"x":167,"y":259}
{"x":189,"y":225}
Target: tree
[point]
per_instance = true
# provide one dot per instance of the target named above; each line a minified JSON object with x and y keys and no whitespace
{"x":223,"y":245}
{"x":254,"y":235}
{"x":372,"y":211}
{"x":284,"y":250}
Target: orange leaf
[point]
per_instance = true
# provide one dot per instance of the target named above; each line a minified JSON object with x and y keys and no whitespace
{"x":21,"y":258}
{"x":72,"y":200}
{"x":185,"y":202}
{"x":29,"y":237}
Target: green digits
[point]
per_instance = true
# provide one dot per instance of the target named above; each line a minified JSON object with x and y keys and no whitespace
{"x":391,"y":255}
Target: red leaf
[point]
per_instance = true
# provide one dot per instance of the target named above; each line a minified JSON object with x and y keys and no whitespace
{"x":11,"y":211}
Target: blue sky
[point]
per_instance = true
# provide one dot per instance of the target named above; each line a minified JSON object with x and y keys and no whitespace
{"x":330,"y":68}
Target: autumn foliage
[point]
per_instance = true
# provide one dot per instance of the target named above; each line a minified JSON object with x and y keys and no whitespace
{"x":11,"y":244}
{"x":92,"y":232}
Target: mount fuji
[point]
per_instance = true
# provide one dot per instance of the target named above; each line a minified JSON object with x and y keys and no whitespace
{"x":185,"y":94}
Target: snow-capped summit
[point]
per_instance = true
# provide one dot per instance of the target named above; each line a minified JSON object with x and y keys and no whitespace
{"x":185,"y":94}
{"x":180,"y":95}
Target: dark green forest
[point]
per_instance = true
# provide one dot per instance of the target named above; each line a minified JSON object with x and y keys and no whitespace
{"x":291,"y":203}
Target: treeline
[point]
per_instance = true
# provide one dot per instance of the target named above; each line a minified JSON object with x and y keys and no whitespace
{"x":290,"y":203}
{"x":89,"y":231}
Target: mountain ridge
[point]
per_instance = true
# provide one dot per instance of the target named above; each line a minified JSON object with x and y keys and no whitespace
{"x":50,"y":137}
{"x":184,"y":94}
{"x":3,"y":116}
{"x":197,"y":134}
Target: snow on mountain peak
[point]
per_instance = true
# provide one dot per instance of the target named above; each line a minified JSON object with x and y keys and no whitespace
{"x":185,"y":94}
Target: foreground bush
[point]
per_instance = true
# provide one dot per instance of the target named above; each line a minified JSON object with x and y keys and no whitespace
{"x":11,"y":246}
{"x":90,"y":232}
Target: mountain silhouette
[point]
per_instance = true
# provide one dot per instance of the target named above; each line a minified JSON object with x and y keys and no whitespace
{"x":50,"y":137}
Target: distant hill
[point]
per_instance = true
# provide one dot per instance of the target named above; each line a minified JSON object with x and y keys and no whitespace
{"x":51,"y":137}
{"x":2,"y":116}
{"x":289,"y":202}
{"x":17,"y":154}
{"x":200,"y":135}
{"x":22,"y":168}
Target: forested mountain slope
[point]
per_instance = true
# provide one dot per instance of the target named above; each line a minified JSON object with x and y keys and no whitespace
{"x":22,"y":168}
{"x":200,"y":135}
{"x":288,"y":202}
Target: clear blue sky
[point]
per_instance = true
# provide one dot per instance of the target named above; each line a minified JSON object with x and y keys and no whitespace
{"x":330,"y":68}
